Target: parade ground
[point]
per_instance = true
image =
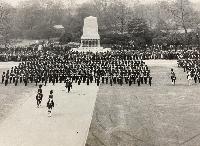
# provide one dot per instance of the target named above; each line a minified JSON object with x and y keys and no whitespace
{"x":23,"y":124}
{"x":160,"y":115}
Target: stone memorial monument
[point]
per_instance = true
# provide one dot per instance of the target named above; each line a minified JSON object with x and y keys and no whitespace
{"x":90,"y":40}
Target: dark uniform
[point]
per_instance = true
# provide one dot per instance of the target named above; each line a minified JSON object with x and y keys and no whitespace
{"x":150,"y":80}
{"x":3,"y":77}
{"x":50,"y":103}
{"x":39,"y":99}
{"x":173,"y":77}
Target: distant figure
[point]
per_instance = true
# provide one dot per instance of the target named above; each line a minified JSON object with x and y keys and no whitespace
{"x":39,"y":99}
{"x":51,"y":94}
{"x":189,"y":77}
{"x":150,"y":80}
{"x":68,"y":85}
{"x":173,"y":77}
{"x":40,"y":89}
{"x":40,"y":93}
{"x":138,"y":80}
{"x":3,"y":77}
{"x":7,"y":78}
{"x":50,"y":103}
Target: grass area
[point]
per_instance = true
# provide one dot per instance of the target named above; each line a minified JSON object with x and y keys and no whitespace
{"x":161,"y":115}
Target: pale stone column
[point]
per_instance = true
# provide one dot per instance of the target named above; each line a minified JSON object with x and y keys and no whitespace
{"x":87,"y":43}
{"x":98,"y":43}
{"x":81,"y":43}
{"x":93,"y":43}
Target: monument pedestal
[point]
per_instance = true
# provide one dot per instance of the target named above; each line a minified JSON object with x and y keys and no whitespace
{"x":89,"y":49}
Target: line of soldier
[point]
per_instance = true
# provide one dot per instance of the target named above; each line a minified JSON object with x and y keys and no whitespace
{"x":80,"y":67}
{"x":189,"y":61}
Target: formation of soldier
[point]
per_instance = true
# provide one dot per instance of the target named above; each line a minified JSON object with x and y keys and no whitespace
{"x":106,"y":68}
{"x":189,"y":61}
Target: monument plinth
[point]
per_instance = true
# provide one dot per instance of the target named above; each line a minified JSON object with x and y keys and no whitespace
{"x":90,"y":40}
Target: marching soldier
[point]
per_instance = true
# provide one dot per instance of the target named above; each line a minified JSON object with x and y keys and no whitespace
{"x":150,"y":80}
{"x":111,"y":80}
{"x":16,"y":79}
{"x":79,"y":80}
{"x":88,"y":81}
{"x":195,"y":77}
{"x":67,"y":85}
{"x":134,"y":79}
{"x":138,"y":80}
{"x":40,"y":89}
{"x":7,"y":78}
{"x":173,"y":77}
{"x":145,"y":78}
{"x":39,"y":99}
{"x":53,"y":80}
{"x":198,"y":76}
{"x":106,"y":77}
{"x":130,"y":81}
{"x":3,"y":77}
{"x":25,"y":80}
{"x":98,"y":81}
{"x":50,"y":103}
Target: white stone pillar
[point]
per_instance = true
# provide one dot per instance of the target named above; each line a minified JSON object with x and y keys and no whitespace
{"x":86,"y":43}
{"x":98,"y":43}
{"x":93,"y":43}
{"x":81,"y":43}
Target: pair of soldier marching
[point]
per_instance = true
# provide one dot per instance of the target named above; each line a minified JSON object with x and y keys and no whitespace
{"x":50,"y":103}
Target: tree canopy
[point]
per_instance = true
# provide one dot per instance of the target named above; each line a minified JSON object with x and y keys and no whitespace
{"x":131,"y":19}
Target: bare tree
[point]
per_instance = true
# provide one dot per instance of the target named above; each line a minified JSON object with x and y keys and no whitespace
{"x":184,"y":15}
{"x":5,"y":23}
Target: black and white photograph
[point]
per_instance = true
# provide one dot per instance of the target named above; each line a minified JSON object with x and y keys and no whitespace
{"x":100,"y":72}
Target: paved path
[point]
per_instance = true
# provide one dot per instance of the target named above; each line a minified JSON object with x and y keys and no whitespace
{"x":68,"y":126}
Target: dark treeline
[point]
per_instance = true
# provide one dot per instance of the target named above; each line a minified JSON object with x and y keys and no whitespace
{"x":121,"y":22}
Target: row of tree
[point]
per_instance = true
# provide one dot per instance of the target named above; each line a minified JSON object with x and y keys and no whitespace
{"x":120,"y":21}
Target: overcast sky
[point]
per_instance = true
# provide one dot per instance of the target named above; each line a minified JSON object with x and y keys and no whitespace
{"x":14,"y":2}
